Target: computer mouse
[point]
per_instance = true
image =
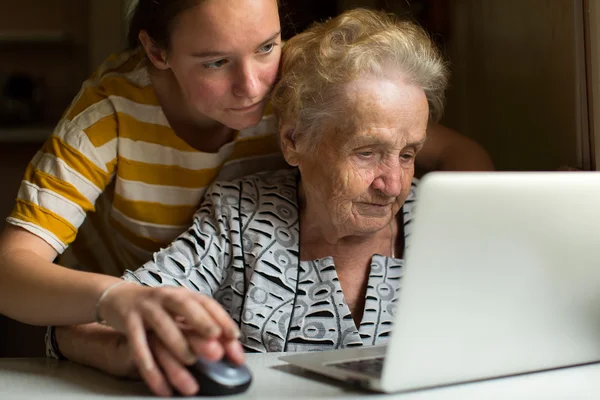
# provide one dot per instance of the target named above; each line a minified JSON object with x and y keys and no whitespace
{"x":220,"y":378}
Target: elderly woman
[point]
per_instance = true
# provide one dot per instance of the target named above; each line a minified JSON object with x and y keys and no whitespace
{"x":310,"y":258}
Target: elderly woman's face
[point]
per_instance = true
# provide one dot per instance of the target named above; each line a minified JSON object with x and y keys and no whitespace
{"x":361,"y":172}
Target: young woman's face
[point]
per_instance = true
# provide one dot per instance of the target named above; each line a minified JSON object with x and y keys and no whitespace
{"x":225,"y":56}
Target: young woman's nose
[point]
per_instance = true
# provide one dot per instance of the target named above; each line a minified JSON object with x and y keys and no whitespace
{"x":247,"y":83}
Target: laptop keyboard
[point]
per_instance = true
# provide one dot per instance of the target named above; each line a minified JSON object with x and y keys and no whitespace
{"x":368,"y":366}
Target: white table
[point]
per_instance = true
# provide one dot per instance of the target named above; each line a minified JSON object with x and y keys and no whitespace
{"x":273,"y":379}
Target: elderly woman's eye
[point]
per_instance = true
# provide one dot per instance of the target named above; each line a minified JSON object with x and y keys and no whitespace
{"x":366,"y":154}
{"x":215,"y":64}
{"x":407,"y":156}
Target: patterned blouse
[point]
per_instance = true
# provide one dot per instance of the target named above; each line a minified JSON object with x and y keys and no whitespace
{"x":243,"y":250}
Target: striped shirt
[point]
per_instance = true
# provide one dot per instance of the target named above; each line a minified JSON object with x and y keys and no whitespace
{"x":116,"y":176}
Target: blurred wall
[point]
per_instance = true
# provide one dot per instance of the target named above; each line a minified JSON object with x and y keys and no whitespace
{"x":518,"y":81}
{"x":48,"y":41}
{"x":106,"y":38}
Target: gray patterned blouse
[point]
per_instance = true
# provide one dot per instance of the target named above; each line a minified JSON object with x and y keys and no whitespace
{"x":243,"y":250}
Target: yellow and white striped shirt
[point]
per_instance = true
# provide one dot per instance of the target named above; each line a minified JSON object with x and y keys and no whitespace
{"x":115,"y":175}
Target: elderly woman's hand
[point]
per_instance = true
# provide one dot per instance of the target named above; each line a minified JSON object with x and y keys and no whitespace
{"x":174,"y":315}
{"x":176,"y":376}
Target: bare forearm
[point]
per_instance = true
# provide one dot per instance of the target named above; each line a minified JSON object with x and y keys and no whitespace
{"x":466,"y":156}
{"x":96,"y":346}
{"x":448,"y":150}
{"x":33,"y":290}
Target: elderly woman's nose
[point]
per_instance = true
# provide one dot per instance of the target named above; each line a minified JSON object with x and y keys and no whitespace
{"x":389,"y":181}
{"x":247,"y":82}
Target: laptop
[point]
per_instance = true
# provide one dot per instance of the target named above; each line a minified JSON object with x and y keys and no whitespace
{"x":502,"y":278}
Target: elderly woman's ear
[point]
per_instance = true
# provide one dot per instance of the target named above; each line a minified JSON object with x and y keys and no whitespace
{"x":289,"y":146}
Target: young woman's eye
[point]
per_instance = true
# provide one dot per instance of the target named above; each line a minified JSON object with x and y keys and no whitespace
{"x":215,"y":64}
{"x":267,"y":48}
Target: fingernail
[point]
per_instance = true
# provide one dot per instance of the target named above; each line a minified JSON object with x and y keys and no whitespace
{"x":190,"y":387}
{"x":240,"y":347}
{"x":190,"y":357}
{"x":240,"y":351}
{"x":213,"y":331}
{"x":147,"y":365}
{"x":235,"y":332}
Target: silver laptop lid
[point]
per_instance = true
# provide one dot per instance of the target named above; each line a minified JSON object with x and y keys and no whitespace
{"x":502,"y":277}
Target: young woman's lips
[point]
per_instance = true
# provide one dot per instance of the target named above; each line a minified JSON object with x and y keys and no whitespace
{"x":248,"y":108}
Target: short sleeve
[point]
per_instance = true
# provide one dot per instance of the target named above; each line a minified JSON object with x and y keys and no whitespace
{"x":74,"y":166}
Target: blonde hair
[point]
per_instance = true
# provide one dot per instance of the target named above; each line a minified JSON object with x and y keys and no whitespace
{"x":355,"y":44}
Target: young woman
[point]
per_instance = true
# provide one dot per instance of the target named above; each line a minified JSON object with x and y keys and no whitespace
{"x":127,"y":166}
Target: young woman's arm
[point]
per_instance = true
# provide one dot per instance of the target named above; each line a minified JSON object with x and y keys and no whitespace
{"x":448,"y":150}
{"x":35,"y":291}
